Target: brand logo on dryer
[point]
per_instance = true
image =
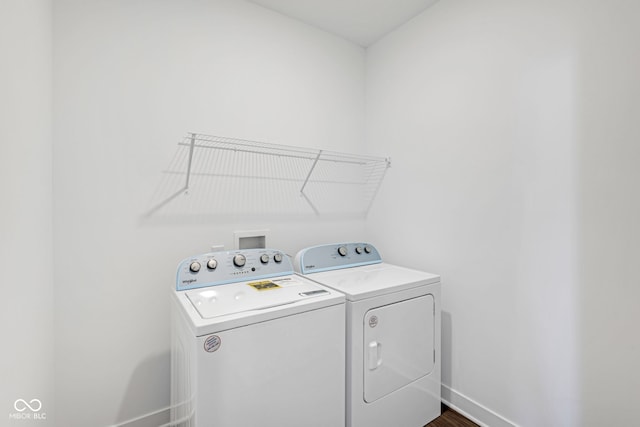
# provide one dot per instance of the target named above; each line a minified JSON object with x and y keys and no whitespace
{"x":187,"y":281}
{"x":373,"y":321}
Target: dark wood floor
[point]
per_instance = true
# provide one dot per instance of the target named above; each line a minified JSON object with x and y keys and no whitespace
{"x":451,"y":418}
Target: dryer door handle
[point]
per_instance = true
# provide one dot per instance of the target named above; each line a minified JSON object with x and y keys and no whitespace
{"x":375,"y":355}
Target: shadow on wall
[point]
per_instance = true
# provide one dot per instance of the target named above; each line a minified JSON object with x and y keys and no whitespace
{"x":149,"y":384}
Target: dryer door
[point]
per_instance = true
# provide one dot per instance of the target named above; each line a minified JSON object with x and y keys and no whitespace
{"x":398,"y":345}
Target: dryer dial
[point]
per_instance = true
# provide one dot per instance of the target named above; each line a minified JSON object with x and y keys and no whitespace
{"x":212,"y":264}
{"x":264,"y":258}
{"x":342,"y":250}
{"x":194,"y":267}
{"x":277,"y":257}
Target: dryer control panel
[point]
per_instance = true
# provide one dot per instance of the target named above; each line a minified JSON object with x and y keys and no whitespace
{"x":219,"y":268}
{"x":335,"y":256}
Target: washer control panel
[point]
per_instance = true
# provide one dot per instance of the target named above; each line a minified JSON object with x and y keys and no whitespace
{"x":335,"y":256}
{"x":219,"y":268}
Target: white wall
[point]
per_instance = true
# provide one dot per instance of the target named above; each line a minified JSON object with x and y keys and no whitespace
{"x":513,"y":130}
{"x":26,"y":362}
{"x":609,"y":208}
{"x":130,"y":79}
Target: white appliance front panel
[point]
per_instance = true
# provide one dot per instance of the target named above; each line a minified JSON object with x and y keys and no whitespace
{"x":286,"y":372}
{"x":415,"y":404}
{"x":399,"y":345}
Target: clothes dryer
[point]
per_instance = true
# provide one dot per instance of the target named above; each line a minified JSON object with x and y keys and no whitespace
{"x":393,"y":334}
{"x":255,"y":344}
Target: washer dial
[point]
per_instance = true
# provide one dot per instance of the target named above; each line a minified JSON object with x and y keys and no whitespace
{"x":264,"y":258}
{"x":212,"y":264}
{"x":277,"y":257}
{"x":342,"y":250}
{"x":239,"y":260}
{"x":194,"y":267}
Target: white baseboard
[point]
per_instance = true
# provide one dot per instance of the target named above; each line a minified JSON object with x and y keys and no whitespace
{"x":471,"y":409}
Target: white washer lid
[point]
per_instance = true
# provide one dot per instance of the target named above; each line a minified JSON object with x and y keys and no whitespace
{"x":373,"y":280}
{"x":241,"y":297}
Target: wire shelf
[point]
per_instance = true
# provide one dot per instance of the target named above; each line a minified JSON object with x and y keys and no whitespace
{"x":216,"y":176}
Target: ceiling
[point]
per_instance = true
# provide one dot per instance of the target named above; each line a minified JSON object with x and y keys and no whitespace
{"x":360,"y":21}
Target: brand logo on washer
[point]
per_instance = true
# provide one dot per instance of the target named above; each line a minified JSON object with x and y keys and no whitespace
{"x":212,"y":343}
{"x":373,"y":321}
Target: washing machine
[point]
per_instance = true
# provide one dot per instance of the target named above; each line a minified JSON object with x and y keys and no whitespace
{"x":254,"y":344}
{"x":393,"y":334}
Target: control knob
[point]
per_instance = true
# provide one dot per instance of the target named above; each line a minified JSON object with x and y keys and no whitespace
{"x":212,"y":264}
{"x":342,"y":250}
{"x":239,"y":260}
{"x":194,"y":267}
{"x":367,"y":249}
{"x":358,"y":250}
{"x":264,"y":258}
{"x":277,"y":257}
